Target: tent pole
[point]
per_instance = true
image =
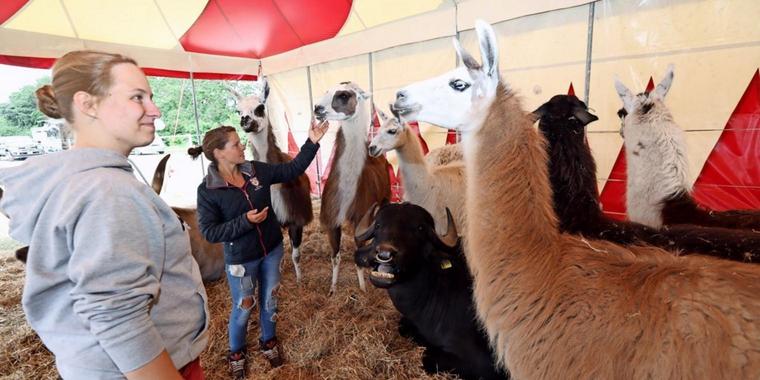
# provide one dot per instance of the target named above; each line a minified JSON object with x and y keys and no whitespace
{"x":311,"y":107}
{"x":197,"y":123}
{"x":589,"y":46}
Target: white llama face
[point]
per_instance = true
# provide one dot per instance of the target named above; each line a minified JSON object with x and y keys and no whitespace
{"x":637,"y":107}
{"x":340,"y":102}
{"x":390,"y":136}
{"x":252,"y":109}
{"x":458,"y":99}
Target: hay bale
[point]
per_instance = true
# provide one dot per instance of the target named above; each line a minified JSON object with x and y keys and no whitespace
{"x":351,"y":335}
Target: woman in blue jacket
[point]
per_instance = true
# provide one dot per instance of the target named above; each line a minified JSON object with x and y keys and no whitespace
{"x":234,"y":207}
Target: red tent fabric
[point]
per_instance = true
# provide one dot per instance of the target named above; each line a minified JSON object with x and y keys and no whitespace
{"x":720,"y":186}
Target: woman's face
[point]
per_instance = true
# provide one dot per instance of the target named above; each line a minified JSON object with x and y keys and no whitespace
{"x":233,"y":151}
{"x":127,"y":112}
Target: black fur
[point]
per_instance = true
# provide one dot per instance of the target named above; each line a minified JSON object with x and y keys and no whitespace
{"x":432,"y":290}
{"x":682,"y":208}
{"x":572,"y":171}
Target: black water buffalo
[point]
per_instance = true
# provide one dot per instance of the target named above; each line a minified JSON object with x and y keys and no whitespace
{"x":429,"y":283}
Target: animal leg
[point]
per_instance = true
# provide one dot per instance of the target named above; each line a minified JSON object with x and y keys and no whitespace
{"x":333,"y":236}
{"x":296,"y":233}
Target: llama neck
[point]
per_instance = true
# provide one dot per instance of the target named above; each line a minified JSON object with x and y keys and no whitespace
{"x":350,"y":162}
{"x":657,"y":167}
{"x":414,"y":170}
{"x":259,"y":144}
{"x":509,"y":199}
{"x":572,"y":174}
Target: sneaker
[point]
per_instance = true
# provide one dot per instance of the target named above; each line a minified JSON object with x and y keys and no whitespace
{"x":271,"y":352}
{"x":237,"y":365}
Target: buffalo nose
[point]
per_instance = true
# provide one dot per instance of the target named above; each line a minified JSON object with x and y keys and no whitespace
{"x":401,"y":95}
{"x":384,"y":256}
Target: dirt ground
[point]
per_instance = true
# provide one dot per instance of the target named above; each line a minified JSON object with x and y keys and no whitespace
{"x":350,"y":335}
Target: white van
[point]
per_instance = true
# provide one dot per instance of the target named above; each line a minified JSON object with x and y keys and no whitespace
{"x":156,"y":147}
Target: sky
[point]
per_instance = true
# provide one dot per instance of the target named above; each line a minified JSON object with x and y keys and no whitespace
{"x":13,"y":78}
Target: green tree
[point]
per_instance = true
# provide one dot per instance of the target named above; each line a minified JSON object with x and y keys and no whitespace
{"x":175,"y":100}
{"x":19,"y":114}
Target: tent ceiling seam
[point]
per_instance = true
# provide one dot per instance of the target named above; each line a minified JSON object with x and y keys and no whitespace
{"x":166,"y":21}
{"x":232,"y":27}
{"x":71,"y":22}
{"x":276,"y":6}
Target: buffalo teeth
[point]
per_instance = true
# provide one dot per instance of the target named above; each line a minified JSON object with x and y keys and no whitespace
{"x":382,"y":274}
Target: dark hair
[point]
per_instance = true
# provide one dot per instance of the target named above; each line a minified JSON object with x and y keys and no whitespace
{"x":216,"y":138}
{"x":82,"y":70}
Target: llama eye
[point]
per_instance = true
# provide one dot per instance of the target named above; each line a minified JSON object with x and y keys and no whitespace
{"x":572,"y":118}
{"x":392,"y":131}
{"x":259,"y":111}
{"x":459,"y":85}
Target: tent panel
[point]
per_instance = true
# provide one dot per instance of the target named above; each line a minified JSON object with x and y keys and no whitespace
{"x":419,"y":61}
{"x":424,"y":27}
{"x":42,"y":16}
{"x":9,"y":7}
{"x":536,"y":70}
{"x":374,"y":13}
{"x":261,"y":28}
{"x":496,"y":11}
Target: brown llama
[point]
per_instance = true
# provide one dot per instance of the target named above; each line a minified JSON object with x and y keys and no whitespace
{"x":291,"y":201}
{"x":356,"y":180}
{"x":554,"y":305}
{"x":209,"y":256}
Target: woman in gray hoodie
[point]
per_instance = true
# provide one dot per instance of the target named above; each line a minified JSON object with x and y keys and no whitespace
{"x":104,"y":246}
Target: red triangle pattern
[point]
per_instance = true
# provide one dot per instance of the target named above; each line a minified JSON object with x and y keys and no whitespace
{"x":730,"y":178}
{"x":571,"y":90}
{"x":613,"y":194}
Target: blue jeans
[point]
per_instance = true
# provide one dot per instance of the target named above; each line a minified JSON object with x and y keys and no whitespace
{"x":266,"y":273}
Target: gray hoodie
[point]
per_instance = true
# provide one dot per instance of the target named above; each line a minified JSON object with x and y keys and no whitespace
{"x":110,"y":281}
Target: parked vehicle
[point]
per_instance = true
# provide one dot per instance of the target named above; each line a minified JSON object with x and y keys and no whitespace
{"x":156,"y":147}
{"x":19,"y":147}
{"x":50,"y":135}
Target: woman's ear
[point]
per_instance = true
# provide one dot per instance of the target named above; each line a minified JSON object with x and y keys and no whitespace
{"x":86,"y":104}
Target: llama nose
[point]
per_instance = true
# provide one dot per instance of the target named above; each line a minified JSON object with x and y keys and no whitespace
{"x":401,"y":95}
{"x":319,"y":109}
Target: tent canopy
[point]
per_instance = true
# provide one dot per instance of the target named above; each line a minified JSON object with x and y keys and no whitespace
{"x":218,"y":39}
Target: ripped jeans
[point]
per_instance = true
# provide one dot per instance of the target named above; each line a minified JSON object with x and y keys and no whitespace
{"x":266,"y":273}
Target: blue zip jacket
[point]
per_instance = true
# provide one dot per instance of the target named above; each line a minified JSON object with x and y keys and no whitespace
{"x":222,"y":206}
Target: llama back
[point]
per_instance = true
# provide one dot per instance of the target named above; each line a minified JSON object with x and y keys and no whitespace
{"x":673,"y":311}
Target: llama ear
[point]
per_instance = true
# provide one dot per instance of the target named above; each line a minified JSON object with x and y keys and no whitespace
{"x":383,"y":117}
{"x":664,"y":86}
{"x":625,"y":94}
{"x":395,"y":112}
{"x":233,"y":92}
{"x":489,"y":48}
{"x":541,"y":111}
{"x":361,"y":93}
{"x":266,"y":90}
{"x":584,"y":116}
{"x":466,"y":58}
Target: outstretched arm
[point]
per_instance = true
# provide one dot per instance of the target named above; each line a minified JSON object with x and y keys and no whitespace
{"x":291,"y":170}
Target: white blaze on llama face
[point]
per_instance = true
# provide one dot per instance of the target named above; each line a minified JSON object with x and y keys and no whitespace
{"x":340,"y":102}
{"x":460,"y":98}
